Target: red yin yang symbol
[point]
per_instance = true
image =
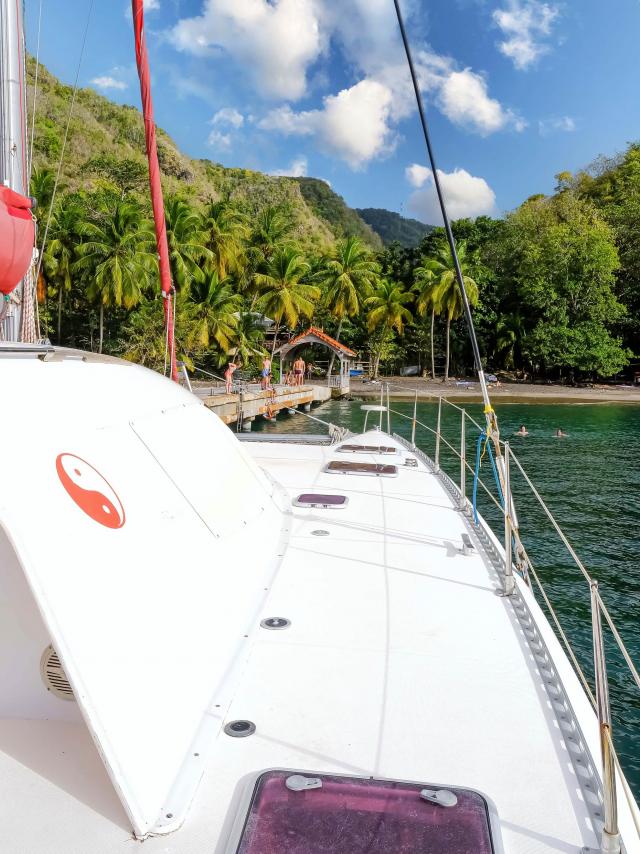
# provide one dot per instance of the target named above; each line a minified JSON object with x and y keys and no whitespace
{"x":90,"y":491}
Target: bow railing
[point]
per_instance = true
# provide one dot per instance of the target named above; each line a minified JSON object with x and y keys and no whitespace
{"x":517,"y":562}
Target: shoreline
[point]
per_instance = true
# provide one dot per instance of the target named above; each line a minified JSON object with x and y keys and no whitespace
{"x":405,"y":388}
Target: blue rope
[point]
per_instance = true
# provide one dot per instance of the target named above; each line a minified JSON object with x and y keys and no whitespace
{"x":483,"y":438}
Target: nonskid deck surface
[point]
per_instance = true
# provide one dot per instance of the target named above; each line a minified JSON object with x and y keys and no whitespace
{"x":400,"y":661}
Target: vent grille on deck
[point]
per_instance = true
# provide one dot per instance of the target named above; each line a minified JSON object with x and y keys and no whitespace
{"x":53,"y":675}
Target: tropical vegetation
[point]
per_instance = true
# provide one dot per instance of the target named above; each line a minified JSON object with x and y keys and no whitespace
{"x":554,"y":284}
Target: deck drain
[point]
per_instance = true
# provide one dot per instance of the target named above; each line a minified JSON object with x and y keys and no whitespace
{"x":320,"y":532}
{"x":240,"y":729}
{"x":275,"y":623}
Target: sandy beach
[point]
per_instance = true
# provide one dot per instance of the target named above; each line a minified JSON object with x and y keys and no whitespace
{"x":405,"y":387}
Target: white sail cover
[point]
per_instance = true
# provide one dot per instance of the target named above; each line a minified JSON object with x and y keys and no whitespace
{"x":125,"y":518}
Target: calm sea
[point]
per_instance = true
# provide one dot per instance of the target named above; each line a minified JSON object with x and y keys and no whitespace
{"x":591,"y":482}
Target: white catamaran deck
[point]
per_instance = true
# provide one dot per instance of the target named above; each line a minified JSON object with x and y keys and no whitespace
{"x":400,"y":661}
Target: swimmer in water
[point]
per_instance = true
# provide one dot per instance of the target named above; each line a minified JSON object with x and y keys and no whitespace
{"x":560,"y":434}
{"x":522,"y":431}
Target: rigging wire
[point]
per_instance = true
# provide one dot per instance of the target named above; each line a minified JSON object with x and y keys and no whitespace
{"x":489,"y":412}
{"x":491,"y":423}
{"x":35,"y":95}
{"x":64,"y":141}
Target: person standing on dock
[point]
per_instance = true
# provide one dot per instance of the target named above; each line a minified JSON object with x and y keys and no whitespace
{"x":298,"y":370}
{"x":228,"y":376}
{"x":266,"y":373}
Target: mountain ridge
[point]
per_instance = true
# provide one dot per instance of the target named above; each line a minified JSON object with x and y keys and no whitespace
{"x":106,"y":142}
{"x":395,"y":228}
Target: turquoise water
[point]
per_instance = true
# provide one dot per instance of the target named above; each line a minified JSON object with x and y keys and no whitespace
{"x":591,"y":482}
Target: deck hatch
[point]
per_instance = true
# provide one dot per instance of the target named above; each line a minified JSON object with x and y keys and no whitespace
{"x":316,"y":499}
{"x":351,"y":815}
{"x":373,"y":469}
{"x":367,"y":449}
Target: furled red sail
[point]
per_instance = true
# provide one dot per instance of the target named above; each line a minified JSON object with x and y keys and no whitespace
{"x":157,"y":202}
{"x":16,"y":238}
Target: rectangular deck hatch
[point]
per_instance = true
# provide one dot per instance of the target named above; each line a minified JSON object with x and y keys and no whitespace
{"x":350,"y":815}
{"x":374,"y":469}
{"x":316,"y":499}
{"x":367,"y":449}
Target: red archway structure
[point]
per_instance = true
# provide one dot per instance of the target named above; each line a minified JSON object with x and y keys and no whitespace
{"x":313,"y":335}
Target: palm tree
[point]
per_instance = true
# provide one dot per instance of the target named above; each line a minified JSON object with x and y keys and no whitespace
{"x":187,"y":243}
{"x":247,"y":343}
{"x":285,"y":296}
{"x":425,"y":284}
{"x":447,"y":294}
{"x":118,"y":254}
{"x":59,"y":253}
{"x":387,"y":310}
{"x":509,"y":333}
{"x":41,"y":188}
{"x":224,"y":229}
{"x":270,"y":231}
{"x":350,"y":276}
{"x":213,"y":313}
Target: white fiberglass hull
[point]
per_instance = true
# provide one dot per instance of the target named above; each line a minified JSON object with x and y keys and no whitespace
{"x":400,"y":661}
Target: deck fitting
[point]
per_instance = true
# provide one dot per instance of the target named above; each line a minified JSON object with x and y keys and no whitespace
{"x":240,"y":729}
{"x":275,"y":623}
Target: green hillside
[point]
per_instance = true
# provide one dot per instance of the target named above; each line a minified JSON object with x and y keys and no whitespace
{"x":393,"y":228}
{"x":330,"y":207}
{"x":106,"y":141}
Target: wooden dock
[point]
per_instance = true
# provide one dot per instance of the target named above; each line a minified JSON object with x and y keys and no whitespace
{"x":242,"y":408}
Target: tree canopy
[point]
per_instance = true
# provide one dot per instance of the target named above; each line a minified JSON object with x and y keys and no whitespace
{"x":555,"y":283}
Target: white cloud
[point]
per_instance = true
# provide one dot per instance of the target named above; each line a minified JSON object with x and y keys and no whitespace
{"x":275,"y":41}
{"x":562,"y":124}
{"x":107,"y":82}
{"x":464,"y":100}
{"x":221,"y":141}
{"x":228,"y":116}
{"x":354,"y":124}
{"x":525,"y":25}
{"x":465,"y":195}
{"x":279,"y":42}
{"x":463,"y":96}
{"x":297,"y":169}
{"x":417,"y":175}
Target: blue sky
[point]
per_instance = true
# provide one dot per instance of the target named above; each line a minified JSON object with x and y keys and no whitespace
{"x":516,"y":90}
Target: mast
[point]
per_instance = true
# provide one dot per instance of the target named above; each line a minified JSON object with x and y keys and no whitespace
{"x":157,"y":201}
{"x":13,"y":137}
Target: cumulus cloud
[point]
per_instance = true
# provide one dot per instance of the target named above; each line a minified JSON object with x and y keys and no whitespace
{"x":354,"y":124}
{"x":278,"y":43}
{"x":219,"y":140}
{"x":417,"y":175}
{"x":463,"y":96}
{"x":228,"y":116}
{"x":275,"y":42}
{"x":298,"y":168}
{"x":465,"y":195}
{"x":107,"y":82}
{"x":464,"y":100}
{"x":561,"y":124}
{"x":525,"y":25}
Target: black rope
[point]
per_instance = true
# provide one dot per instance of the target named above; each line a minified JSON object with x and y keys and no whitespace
{"x":447,"y":224}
